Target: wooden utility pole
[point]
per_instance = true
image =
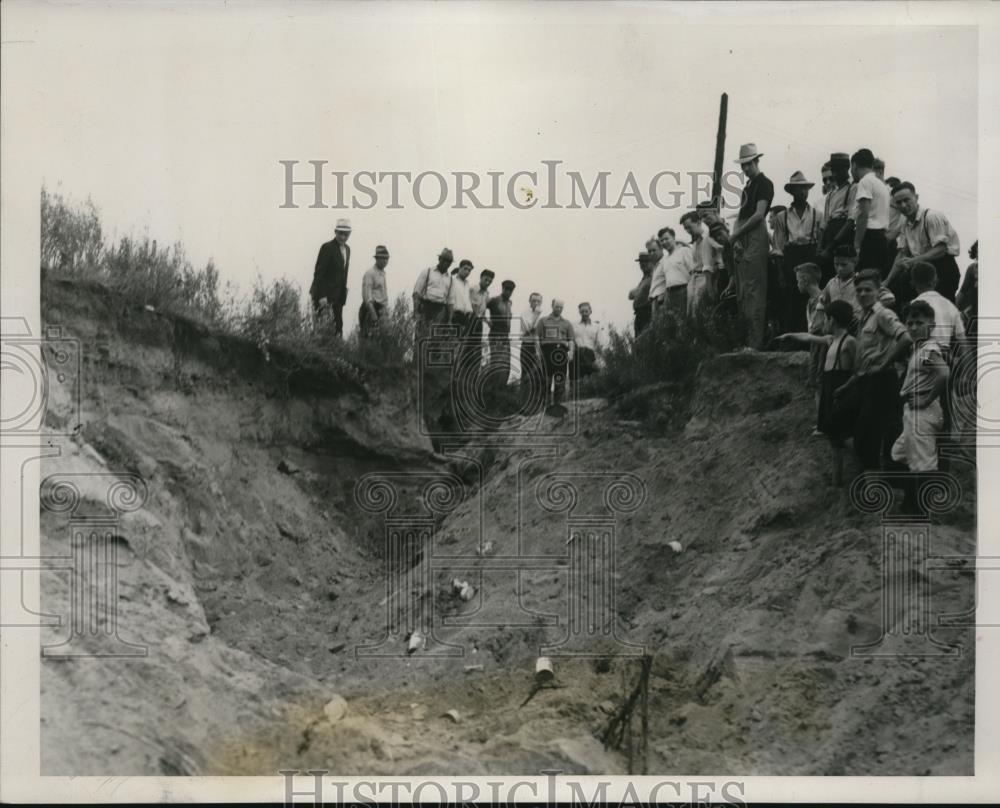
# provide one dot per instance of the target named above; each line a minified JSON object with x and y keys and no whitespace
{"x":720,"y":145}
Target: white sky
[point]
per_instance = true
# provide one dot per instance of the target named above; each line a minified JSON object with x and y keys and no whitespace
{"x":173,"y":120}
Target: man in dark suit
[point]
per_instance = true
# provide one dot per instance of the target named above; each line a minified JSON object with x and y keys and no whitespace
{"x":329,"y":285}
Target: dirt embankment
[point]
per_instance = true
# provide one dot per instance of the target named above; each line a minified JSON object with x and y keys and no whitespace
{"x":252,"y":575}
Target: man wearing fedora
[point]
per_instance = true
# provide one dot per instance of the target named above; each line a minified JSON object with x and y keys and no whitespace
{"x":432,"y":294}
{"x":374,"y":295}
{"x":642,"y":309}
{"x":752,"y":245}
{"x":329,"y":285}
{"x":797,"y":230}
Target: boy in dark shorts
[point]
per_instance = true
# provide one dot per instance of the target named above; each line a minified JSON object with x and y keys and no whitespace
{"x":835,"y":418}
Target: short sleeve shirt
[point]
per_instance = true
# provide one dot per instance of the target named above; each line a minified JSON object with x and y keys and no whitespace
{"x":870,"y":187}
{"x":552,"y":329}
{"x":433,"y":285}
{"x":948,"y":325}
{"x":479,"y":299}
{"x":658,"y":280}
{"x":459,"y":297}
{"x":919,"y":377}
{"x":879,"y":331}
{"x":928,"y":229}
{"x":677,"y":265}
{"x":373,"y":289}
{"x":759,"y":188}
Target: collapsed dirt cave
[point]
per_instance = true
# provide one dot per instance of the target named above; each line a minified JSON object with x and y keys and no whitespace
{"x":297,"y":528}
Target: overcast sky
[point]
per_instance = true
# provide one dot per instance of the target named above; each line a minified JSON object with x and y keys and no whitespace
{"x":174,"y":120}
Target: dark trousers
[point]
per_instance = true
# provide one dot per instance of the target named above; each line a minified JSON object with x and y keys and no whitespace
{"x":948,"y":275}
{"x":336,"y":310}
{"x":555,"y":360}
{"x":366,"y":324}
{"x":584,"y":362}
{"x":643,"y":316}
{"x":879,"y":420}
{"x":793,"y":302}
{"x":532,"y":378}
{"x":874,"y":252}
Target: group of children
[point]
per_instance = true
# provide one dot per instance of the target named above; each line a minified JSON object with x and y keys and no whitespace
{"x":856,"y":340}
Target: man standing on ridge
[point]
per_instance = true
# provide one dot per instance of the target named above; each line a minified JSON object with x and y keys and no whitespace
{"x":642,"y":309}
{"x":797,"y":229}
{"x":432,"y":293}
{"x":587,"y":338}
{"x":500,"y":309}
{"x":751,"y":245}
{"x":555,"y":334}
{"x":531,"y":359}
{"x":926,"y":235}
{"x":374,"y":295}
{"x":329,"y":285}
{"x":870,"y":213}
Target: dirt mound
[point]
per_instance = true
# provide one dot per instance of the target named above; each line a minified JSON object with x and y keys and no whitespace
{"x":253,"y":574}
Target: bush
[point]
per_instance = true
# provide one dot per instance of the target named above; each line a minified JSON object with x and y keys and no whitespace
{"x":668,"y":350}
{"x":71,"y":238}
{"x":73,"y":246}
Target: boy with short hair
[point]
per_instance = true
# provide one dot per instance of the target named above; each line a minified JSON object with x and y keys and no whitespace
{"x":835,"y":419}
{"x":807,"y":277}
{"x":882,"y":340}
{"x":923,"y":417}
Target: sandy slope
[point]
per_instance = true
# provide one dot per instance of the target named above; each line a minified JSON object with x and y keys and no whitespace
{"x":253,"y":587}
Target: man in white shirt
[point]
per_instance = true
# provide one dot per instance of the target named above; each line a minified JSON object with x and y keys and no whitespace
{"x":432,"y":293}
{"x":658,"y":281}
{"x":948,"y":330}
{"x":870,"y":213}
{"x":587,"y":336}
{"x":374,"y":295}
{"x":532,"y":374}
{"x":928,"y":236}
{"x":461,"y":303}
{"x":706,"y":261}
{"x":676,"y":264}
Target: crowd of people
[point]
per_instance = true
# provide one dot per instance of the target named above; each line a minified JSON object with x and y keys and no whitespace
{"x":869,"y":284}
{"x":552,"y":350}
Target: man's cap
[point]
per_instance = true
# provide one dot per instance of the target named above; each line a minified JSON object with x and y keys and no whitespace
{"x":840,"y":158}
{"x":748,"y":152}
{"x":465,"y":262}
{"x":845,"y":251}
{"x":446,"y":253}
{"x":508,"y":285}
{"x":344,"y":225}
{"x":381,"y":251}
{"x":643,"y":256}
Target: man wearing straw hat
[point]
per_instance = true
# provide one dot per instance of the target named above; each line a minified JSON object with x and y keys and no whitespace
{"x":329,"y":284}
{"x":797,"y":229}
{"x":374,"y":295}
{"x":751,"y":245}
